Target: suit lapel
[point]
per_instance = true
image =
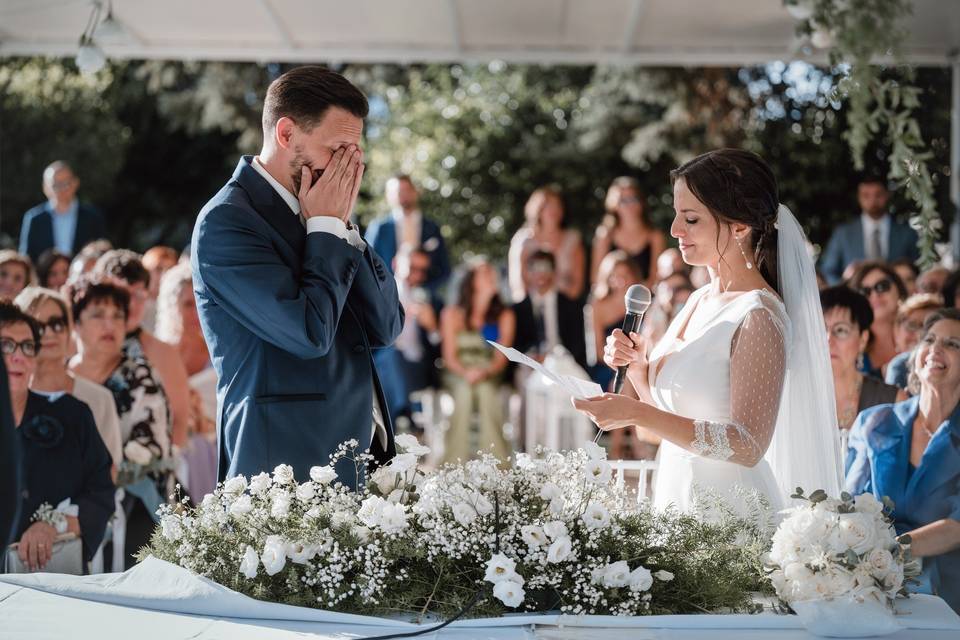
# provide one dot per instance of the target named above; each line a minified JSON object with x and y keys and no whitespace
{"x":269,"y":205}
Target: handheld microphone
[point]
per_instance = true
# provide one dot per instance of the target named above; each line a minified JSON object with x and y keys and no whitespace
{"x":637,"y":301}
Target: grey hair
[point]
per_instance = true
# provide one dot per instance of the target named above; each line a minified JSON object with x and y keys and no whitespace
{"x":169,"y":321}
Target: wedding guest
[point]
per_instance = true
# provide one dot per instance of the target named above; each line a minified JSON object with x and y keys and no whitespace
{"x":474,"y":368}
{"x":406,"y":225}
{"x":64,"y":463}
{"x":881,"y":285}
{"x":606,"y":308}
{"x":164,"y":358}
{"x":100,"y":310}
{"x":848,"y":317}
{"x":911,"y":315}
{"x":16,"y":272}
{"x":53,"y":268}
{"x":671,"y":262}
{"x":874,"y":236}
{"x":547,"y":317}
{"x":625,"y":227}
{"x":932,"y":280}
{"x":951,"y":290}
{"x":62,"y":222}
{"x":51,"y":377}
{"x":544,"y":229}
{"x":669,"y":297}
{"x":909,"y":452}
{"x":86,"y":259}
{"x":156,"y":261}
{"x":908,"y":272}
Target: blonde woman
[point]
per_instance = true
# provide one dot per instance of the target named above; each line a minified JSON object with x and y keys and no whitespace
{"x":625,"y":227}
{"x":16,"y":272}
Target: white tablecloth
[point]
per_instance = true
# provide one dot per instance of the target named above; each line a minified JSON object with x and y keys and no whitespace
{"x":160,"y":600}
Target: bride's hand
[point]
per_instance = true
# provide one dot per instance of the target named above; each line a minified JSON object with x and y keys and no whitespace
{"x":631,"y":352}
{"x":612,"y":411}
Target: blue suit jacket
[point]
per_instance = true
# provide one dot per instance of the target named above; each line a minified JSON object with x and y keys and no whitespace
{"x":877,"y":462}
{"x":846,"y":247}
{"x":290,"y":319}
{"x":382,"y":235}
{"x":36,"y":231}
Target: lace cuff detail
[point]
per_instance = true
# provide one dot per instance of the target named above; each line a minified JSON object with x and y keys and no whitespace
{"x":712,"y":440}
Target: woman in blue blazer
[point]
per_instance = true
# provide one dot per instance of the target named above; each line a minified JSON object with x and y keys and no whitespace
{"x":910,"y":451}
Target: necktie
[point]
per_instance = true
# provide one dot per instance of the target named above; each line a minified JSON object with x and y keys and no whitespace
{"x":876,"y":249}
{"x":409,"y":236}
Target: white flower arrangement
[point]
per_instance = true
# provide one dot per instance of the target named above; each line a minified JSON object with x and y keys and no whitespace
{"x":552,"y":532}
{"x":829,"y":549}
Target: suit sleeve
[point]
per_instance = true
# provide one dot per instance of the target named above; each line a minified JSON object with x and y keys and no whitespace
{"x":25,"y":234}
{"x":241,"y":272}
{"x":376,"y":301}
{"x":831,"y":264}
{"x":440,"y":264}
{"x":98,"y":226}
{"x":95,"y":498}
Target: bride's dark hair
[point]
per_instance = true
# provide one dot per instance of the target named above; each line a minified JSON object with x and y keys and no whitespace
{"x":738,"y":186}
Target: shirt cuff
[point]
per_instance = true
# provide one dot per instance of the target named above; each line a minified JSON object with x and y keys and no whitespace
{"x":336,"y":226}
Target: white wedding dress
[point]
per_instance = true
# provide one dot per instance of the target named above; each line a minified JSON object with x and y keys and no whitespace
{"x":721,"y":364}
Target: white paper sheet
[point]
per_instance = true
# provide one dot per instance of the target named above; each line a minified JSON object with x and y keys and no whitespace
{"x":576,"y":387}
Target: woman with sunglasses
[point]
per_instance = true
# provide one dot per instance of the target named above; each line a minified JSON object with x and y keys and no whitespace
{"x":625,"y":227}
{"x":880,"y":284}
{"x":53,"y":379}
{"x":63,"y":461}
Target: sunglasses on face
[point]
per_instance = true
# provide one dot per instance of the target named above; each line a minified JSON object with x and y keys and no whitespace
{"x":9,"y":347}
{"x":57,"y":324}
{"x":883,"y":286}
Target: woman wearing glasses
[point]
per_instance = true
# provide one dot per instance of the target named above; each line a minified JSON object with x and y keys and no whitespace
{"x":625,"y":227}
{"x":848,"y":318}
{"x":881,"y":285}
{"x":53,"y":379}
{"x":64,"y":463}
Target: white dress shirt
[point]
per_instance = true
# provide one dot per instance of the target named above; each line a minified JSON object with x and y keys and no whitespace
{"x":408,"y":227}
{"x":546,"y":306}
{"x":869,"y":226}
{"x":336,"y":226}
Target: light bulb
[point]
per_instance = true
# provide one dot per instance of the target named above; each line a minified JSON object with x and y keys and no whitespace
{"x":90,"y":58}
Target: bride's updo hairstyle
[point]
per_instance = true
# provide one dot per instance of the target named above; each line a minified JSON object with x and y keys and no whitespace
{"x":738,"y":186}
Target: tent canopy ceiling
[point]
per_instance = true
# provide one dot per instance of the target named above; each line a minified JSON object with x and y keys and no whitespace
{"x":651,"y":32}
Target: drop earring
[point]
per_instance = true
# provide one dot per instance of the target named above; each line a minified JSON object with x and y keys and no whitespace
{"x":743,"y":253}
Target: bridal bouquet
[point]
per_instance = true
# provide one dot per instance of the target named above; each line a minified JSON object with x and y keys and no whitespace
{"x":831,"y":549}
{"x":551,"y":532}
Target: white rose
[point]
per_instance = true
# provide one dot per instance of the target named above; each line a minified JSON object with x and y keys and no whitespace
{"x":483,"y":506}
{"x":137,"y":453}
{"x":411,"y":445}
{"x":858,"y":532}
{"x":595,"y":451}
{"x":464,"y":513}
{"x":555,"y":529}
{"x":306,"y":492}
{"x":371,"y":510}
{"x":283,"y":474}
{"x":235,"y":485}
{"x":640,"y":579}
{"x":616,"y":574}
{"x":249,"y":563}
{"x":595,"y":516}
{"x":170,"y":528}
{"x":560,"y":550}
{"x":341,"y":519}
{"x":274,"y":556}
{"x":499,"y":568}
{"x":280,"y":506}
{"x":396,"y":496}
{"x":663,"y":575}
{"x":241,"y":506}
{"x":403,"y":462}
{"x":549,"y":491}
{"x":323,"y":475}
{"x":557,"y":506}
{"x":384,"y":479}
{"x":533,"y":535}
{"x":840,"y":581}
{"x":880,"y":562}
{"x":260,"y":483}
{"x":867,"y":503}
{"x":598,"y":472}
{"x":509,"y":593}
{"x":393,"y":518}
{"x":797,"y":572}
{"x":301,"y":553}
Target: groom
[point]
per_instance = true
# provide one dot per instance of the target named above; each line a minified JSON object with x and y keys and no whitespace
{"x":291,"y":300}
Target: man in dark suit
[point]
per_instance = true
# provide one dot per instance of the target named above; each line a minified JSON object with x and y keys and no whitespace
{"x":291,"y":300}
{"x":875,"y":235}
{"x":406,"y":226}
{"x":546,"y":317}
{"x":62,"y":222}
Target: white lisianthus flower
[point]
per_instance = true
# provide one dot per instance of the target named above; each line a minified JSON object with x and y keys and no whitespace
{"x":858,"y":531}
{"x":241,"y":506}
{"x":464,"y":513}
{"x":323,"y":475}
{"x":640,"y":579}
{"x":384,"y":479}
{"x":396,"y":496}
{"x":137,"y":453}
{"x":260,"y":483}
{"x":409,"y":444}
{"x":170,"y":528}
{"x":483,"y":506}
{"x":509,"y":593}
{"x":249,"y":563}
{"x":274,"y":556}
{"x":341,"y":519}
{"x":301,"y":553}
{"x":595,"y":516}
{"x":371,"y":511}
{"x":663,"y":575}
{"x":235,"y":485}
{"x":555,"y":529}
{"x":306,"y":492}
{"x":500,"y":568}
{"x":393,"y":518}
{"x":533,"y":535}
{"x":280,"y":505}
{"x":867,"y":503}
{"x":617,"y":574}
{"x":557,"y":505}
{"x":283,"y":474}
{"x":598,"y":472}
{"x":363,"y":534}
{"x":595,"y":451}
{"x":403,"y":462}
{"x":549,"y":491}
{"x":560,"y":550}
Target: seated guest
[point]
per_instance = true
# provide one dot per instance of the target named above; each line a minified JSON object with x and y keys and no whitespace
{"x":848,"y":317}
{"x":951,"y":290}
{"x":669,"y":263}
{"x":606,"y":308}
{"x":908,"y":272}
{"x":881,"y":285}
{"x":910,"y":451}
{"x":86,"y":259}
{"x":100,"y":309}
{"x":156,"y":261}
{"x":164,"y":358}
{"x":64,"y":463}
{"x":52,"y":378}
{"x":547,"y":317}
{"x":53,"y":268}
{"x":669,"y":296}
{"x":16,"y":272}
{"x":932,"y":280}
{"x":911,"y":315}
{"x":473,"y":367}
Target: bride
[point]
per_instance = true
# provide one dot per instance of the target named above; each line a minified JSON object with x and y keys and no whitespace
{"x":739,"y":389}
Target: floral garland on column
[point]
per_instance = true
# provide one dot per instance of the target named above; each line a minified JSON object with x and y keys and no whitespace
{"x":856,"y":32}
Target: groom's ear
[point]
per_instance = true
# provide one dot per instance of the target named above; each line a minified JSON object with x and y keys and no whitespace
{"x":283,"y":132}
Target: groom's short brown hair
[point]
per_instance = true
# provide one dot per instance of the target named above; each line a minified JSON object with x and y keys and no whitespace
{"x":304,"y":94}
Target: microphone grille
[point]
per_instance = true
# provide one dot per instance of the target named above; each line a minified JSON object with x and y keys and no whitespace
{"x":637,"y":299}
